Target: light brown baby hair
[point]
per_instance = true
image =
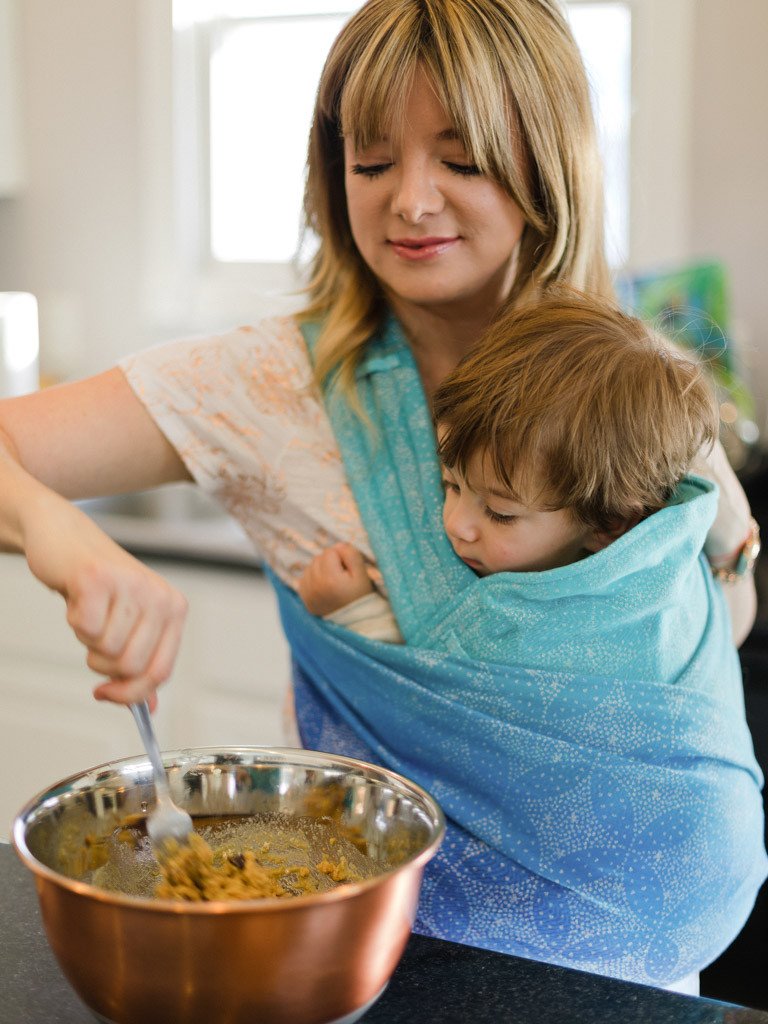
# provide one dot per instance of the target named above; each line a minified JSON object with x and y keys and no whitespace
{"x":590,"y":404}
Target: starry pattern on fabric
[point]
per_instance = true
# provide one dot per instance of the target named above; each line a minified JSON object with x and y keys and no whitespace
{"x":636,"y":856}
{"x":583,"y":728}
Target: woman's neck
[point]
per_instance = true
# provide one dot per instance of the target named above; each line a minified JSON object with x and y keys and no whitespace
{"x":438,"y":339}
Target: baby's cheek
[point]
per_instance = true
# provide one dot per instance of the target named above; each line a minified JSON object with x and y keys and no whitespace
{"x":446,"y":513}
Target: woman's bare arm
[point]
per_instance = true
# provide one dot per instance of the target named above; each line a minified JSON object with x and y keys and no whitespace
{"x":81,"y":440}
{"x":90,"y":438}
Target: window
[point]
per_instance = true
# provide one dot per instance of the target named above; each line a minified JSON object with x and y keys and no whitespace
{"x":604,"y":34}
{"x":224,"y":218}
{"x":278,"y":57}
{"x":276,"y":51}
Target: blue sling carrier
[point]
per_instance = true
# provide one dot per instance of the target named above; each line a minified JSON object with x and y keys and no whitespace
{"x":583,"y":728}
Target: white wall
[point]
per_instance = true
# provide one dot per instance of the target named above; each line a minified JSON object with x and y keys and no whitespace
{"x":729,"y":165}
{"x":74,"y":236}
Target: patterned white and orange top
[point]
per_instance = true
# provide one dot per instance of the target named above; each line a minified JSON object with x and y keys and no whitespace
{"x":246,"y":417}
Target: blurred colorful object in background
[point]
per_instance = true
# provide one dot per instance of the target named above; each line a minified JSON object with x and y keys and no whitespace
{"x":690,"y":305}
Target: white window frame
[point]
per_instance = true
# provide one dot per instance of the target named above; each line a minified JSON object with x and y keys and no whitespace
{"x":182,"y":293}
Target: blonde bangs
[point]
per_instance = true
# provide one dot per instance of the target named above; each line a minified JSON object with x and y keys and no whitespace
{"x":377,"y":86}
{"x":440,"y":39}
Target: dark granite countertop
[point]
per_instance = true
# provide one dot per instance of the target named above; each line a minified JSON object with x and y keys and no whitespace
{"x":436,"y":982}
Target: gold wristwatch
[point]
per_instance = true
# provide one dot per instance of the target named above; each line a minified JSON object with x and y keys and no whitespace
{"x":745,"y":561}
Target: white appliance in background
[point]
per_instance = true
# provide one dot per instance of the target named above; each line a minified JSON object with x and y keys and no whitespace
{"x":19,"y":344}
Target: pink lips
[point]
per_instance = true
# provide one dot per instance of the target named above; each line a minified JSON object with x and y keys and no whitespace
{"x":421,"y":248}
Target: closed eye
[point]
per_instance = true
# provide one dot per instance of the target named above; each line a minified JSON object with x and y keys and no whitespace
{"x":374,"y":170}
{"x":497,"y":517}
{"x":369,"y":170}
{"x":449,"y":485}
{"x":466,"y":170}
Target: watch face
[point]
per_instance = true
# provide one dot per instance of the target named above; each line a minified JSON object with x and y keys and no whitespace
{"x":752,"y":546}
{"x":745,"y":562}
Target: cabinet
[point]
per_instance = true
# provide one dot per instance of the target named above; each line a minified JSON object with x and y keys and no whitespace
{"x":228,"y":686}
{"x":10,"y":103}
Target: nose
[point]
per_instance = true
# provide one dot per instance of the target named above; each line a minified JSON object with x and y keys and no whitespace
{"x":460,"y":522}
{"x":416,"y":194}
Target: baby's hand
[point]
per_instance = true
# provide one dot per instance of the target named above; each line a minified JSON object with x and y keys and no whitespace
{"x":334,"y":579}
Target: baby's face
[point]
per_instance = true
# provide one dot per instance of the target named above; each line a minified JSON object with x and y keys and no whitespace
{"x":492,"y":532}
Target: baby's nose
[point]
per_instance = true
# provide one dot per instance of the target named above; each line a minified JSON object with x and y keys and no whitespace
{"x":461,"y":525}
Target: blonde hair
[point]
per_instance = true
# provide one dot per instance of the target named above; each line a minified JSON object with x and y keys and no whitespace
{"x":574,"y":393}
{"x":509,"y":74}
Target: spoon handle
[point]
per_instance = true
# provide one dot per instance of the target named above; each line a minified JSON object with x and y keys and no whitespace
{"x":144,"y":722}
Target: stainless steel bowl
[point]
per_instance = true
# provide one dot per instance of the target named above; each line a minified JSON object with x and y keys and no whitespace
{"x":312,"y":959}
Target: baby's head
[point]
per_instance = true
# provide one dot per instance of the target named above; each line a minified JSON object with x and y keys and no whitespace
{"x":567,"y":424}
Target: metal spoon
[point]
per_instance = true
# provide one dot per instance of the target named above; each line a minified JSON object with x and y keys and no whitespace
{"x":165,"y":821}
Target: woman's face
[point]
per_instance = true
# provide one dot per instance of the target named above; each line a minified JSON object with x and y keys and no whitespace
{"x":434,"y":231}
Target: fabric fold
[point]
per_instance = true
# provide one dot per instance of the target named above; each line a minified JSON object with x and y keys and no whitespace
{"x":631,"y":809}
{"x":583,"y":728}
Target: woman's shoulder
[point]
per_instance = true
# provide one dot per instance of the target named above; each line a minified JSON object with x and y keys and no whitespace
{"x":277,"y":336}
{"x":282,"y":333}
{"x":270,"y":353}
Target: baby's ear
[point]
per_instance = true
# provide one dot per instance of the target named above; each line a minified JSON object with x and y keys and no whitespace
{"x":601,"y":538}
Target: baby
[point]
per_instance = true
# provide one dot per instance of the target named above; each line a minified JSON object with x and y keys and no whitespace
{"x":566,"y":425}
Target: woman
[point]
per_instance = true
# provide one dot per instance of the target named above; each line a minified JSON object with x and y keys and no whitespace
{"x":452,"y":170}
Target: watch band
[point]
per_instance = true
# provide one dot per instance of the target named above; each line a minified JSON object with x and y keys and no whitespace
{"x":745,"y":560}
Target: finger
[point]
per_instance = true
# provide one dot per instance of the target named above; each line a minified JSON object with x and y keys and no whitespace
{"x":126,"y":691}
{"x":345,"y":551}
{"x":326,"y":566}
{"x":164,"y":657}
{"x":332,"y":558}
{"x":122,"y":620}
{"x":143,"y":687}
{"x":352,"y":559}
{"x":87,"y":613}
{"x":154,"y":641}
{"x":134,"y":657}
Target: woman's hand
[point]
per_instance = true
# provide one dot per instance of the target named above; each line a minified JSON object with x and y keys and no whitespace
{"x":91,"y":437}
{"x":128,"y":618}
{"x":333,"y":579}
